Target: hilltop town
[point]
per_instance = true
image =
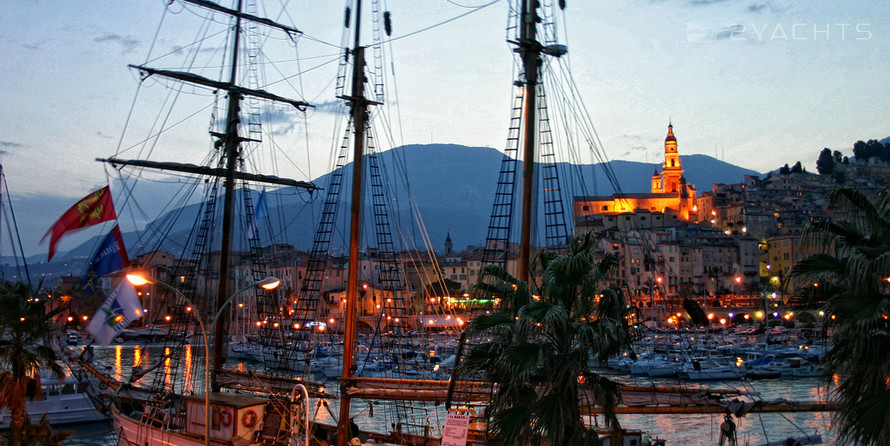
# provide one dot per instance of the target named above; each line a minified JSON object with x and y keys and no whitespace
{"x":723,"y":246}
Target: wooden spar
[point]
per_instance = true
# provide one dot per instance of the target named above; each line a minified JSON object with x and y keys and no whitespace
{"x":530,"y":50}
{"x":233,"y":89}
{"x":208,"y":171}
{"x":428,"y":383}
{"x":232,"y":144}
{"x":111,"y":383}
{"x":244,"y":15}
{"x":687,"y":390}
{"x":436,"y":391}
{"x":359,"y":115}
{"x":253,"y":382}
{"x":808,"y":406}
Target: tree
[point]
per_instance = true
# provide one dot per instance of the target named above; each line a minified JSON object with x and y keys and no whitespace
{"x":444,"y":287}
{"x":839,"y":157}
{"x":797,"y":168}
{"x":825,"y":163}
{"x":40,"y":434}
{"x":848,"y":279}
{"x":25,"y":349}
{"x":871,"y":149}
{"x":540,"y":343}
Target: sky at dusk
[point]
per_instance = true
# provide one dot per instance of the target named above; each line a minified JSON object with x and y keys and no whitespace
{"x":757,"y":83}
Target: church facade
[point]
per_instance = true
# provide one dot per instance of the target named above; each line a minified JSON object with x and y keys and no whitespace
{"x":671,"y":199}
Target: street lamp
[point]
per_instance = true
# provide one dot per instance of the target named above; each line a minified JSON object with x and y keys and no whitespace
{"x":269,"y":283}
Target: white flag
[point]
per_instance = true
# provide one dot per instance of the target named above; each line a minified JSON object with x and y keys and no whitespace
{"x":120,"y":308}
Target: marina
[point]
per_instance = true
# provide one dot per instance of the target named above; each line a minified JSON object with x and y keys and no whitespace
{"x":264,"y":305}
{"x":754,"y":429}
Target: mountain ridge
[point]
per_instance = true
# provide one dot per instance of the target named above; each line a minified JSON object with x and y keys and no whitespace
{"x":454,"y":186}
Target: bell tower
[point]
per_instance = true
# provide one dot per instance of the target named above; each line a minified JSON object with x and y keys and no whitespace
{"x":671,"y":170}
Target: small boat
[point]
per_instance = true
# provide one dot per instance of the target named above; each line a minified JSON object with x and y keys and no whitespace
{"x":807,"y":439}
{"x":710,"y":371}
{"x":72,"y":400}
{"x":797,"y":367}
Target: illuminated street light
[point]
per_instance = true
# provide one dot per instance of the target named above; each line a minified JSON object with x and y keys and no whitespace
{"x":269,"y":283}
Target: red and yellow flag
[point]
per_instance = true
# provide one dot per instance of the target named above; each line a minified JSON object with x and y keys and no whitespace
{"x":94,"y":208}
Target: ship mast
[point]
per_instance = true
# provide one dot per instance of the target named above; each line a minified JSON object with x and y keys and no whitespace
{"x":231,"y":142}
{"x":530,"y":51}
{"x":359,"y":106}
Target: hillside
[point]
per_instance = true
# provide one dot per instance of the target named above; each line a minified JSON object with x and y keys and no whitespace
{"x":453,"y":185}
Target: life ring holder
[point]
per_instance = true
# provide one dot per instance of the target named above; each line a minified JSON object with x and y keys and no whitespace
{"x":225,"y":417}
{"x":249,"y":418}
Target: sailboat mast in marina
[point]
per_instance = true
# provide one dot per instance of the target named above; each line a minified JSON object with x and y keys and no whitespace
{"x":359,"y":107}
{"x":160,"y":420}
{"x":530,"y":51}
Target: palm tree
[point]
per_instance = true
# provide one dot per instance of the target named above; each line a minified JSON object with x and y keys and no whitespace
{"x":39,"y":434}
{"x":25,"y":349}
{"x":848,"y":279}
{"x":540,"y":343}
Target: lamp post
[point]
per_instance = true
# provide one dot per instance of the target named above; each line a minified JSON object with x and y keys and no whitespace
{"x":652,"y":301}
{"x":269,"y":283}
{"x":738,"y":281}
{"x":769,"y":278}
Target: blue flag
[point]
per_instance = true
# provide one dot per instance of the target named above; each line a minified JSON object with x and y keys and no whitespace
{"x":110,"y":256}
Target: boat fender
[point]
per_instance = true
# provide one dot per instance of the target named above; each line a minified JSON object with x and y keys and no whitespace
{"x":225,"y":417}
{"x":249,"y":418}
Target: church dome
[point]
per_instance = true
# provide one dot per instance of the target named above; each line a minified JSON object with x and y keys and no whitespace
{"x":670,"y":137}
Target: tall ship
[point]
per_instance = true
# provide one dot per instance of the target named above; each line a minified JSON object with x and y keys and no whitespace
{"x":346,"y":346}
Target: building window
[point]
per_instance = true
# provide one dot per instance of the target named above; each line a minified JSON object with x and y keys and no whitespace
{"x":605,"y":207}
{"x":585,"y":207}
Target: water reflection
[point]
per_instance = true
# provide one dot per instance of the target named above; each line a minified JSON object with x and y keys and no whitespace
{"x":755,"y":428}
{"x":189,"y":386}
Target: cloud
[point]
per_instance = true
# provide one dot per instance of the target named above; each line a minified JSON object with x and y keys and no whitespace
{"x":756,"y":7}
{"x":281,"y":122}
{"x":128,"y":43}
{"x":10,"y":144}
{"x":331,"y":107}
{"x":705,"y":2}
{"x":699,"y":33}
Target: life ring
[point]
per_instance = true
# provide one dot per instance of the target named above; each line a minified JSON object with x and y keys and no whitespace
{"x":225,"y":417}
{"x":103,"y":385}
{"x":249,"y":418}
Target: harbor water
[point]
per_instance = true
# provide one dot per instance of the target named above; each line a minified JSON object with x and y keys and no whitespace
{"x":683,"y":429}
